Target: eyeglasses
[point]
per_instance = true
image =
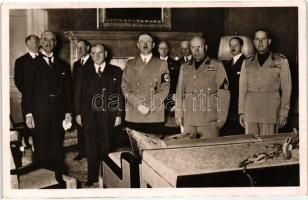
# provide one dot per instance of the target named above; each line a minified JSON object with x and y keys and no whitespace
{"x":49,"y":40}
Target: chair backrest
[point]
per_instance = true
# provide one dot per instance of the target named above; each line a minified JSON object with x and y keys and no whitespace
{"x":224,"y":48}
{"x":16,"y":115}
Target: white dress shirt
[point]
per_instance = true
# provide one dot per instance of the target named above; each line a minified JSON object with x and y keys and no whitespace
{"x":165,"y":58}
{"x":46,"y":59}
{"x":32,"y":54}
{"x":235,"y":58}
{"x":187,"y":58}
{"x":146,"y":58}
{"x":101,"y":66}
{"x":84,"y":59}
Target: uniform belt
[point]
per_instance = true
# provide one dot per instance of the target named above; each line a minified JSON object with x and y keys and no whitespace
{"x":262,"y":91}
{"x":53,"y":95}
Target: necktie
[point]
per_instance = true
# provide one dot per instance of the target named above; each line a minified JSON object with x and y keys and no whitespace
{"x":232,"y":61}
{"x":50,"y":64}
{"x":145,"y":61}
{"x":50,"y":61}
{"x":185,"y":58}
{"x":99,"y":71}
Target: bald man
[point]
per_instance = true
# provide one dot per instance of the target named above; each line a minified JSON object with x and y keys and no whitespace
{"x":47,"y":102}
{"x":202,"y":95}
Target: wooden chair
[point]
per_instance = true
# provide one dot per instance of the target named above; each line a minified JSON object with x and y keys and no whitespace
{"x":29,"y":176}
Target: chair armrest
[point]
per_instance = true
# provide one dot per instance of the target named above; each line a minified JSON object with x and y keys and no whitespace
{"x":24,"y":169}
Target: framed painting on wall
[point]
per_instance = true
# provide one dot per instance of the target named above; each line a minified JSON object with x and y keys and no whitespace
{"x":134,"y":19}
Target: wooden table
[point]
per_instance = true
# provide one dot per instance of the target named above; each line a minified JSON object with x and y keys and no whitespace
{"x":215,"y":162}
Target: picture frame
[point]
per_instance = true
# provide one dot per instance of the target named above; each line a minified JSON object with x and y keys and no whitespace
{"x":134,"y":19}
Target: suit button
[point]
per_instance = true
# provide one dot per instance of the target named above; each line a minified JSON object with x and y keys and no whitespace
{"x":194,"y":76}
{"x":138,"y":83}
{"x":138,"y":91}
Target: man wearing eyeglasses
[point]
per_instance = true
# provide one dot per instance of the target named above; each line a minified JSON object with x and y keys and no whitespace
{"x":47,"y":102}
{"x":265,"y":89}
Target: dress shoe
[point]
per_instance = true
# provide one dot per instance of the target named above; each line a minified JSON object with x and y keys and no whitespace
{"x":91,"y":183}
{"x":79,"y":157}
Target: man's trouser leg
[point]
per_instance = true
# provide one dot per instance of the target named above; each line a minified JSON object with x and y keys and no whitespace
{"x":261,"y":128}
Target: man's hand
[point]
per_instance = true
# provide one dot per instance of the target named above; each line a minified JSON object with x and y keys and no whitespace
{"x":242,"y":120}
{"x":173,"y":109}
{"x":78,"y":120}
{"x":117,"y":121}
{"x":143,"y":109}
{"x":30,"y":122}
{"x":282,"y":121}
{"x":68,"y":117}
{"x":220,"y":123}
{"x":179,"y":121}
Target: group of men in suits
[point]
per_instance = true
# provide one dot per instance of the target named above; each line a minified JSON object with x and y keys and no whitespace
{"x":203,"y":94}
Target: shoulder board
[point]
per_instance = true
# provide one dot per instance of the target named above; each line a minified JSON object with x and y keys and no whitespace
{"x":277,"y":55}
{"x":216,"y":60}
{"x":248,"y":57}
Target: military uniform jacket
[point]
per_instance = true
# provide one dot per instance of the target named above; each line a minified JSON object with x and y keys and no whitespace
{"x":147,"y":84}
{"x":202,"y":95}
{"x":265,"y":91}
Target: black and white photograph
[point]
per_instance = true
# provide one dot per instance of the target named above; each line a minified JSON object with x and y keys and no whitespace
{"x":209,"y":98}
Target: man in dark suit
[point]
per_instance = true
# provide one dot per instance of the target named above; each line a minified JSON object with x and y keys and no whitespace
{"x":233,"y":69}
{"x":101,"y":108}
{"x":47,"y":101}
{"x":25,"y":61}
{"x":185,"y":51}
{"x":174,"y":70}
{"x":83,"y":49}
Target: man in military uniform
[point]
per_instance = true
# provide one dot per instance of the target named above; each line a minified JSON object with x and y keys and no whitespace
{"x":185,"y":51}
{"x":233,"y":69}
{"x":174,"y":70}
{"x":145,"y":86}
{"x":265,"y":89}
{"x":202,"y":95}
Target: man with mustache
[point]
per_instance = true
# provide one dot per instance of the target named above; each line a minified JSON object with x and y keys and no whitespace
{"x":202,"y":95}
{"x":233,"y":69}
{"x":265,"y":89}
{"x":145,"y":86}
{"x":47,"y":101}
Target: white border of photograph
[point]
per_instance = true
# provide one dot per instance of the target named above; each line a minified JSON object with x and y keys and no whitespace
{"x":154,"y":192}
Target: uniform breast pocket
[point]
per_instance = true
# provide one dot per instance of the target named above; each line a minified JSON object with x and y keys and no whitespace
{"x":274,"y":72}
{"x":252,"y":75}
